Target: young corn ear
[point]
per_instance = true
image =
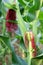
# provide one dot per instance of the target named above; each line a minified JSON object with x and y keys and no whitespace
{"x":27,"y":41}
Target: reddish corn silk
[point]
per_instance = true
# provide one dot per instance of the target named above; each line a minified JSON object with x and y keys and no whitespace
{"x":11,"y":26}
{"x":11,"y":15}
{"x":33,"y":45}
{"x":15,"y":26}
{"x":26,"y":41}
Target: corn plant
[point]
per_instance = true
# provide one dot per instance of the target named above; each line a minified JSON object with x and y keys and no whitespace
{"x":21,"y":27}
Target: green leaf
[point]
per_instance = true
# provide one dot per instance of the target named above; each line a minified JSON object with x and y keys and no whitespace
{"x":29,"y":0}
{"x":3,"y":10}
{"x":41,"y":40}
{"x":22,"y":3}
{"x":39,"y":56}
{"x":41,"y":15}
{"x":37,"y":61}
{"x":41,"y":30}
{"x":35,"y":7}
{"x":10,"y":6}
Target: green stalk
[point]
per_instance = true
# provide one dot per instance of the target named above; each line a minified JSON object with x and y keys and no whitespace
{"x":30,"y":53}
{"x":20,"y":20}
{"x":29,"y":50}
{"x":23,"y":30}
{"x":35,"y":22}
